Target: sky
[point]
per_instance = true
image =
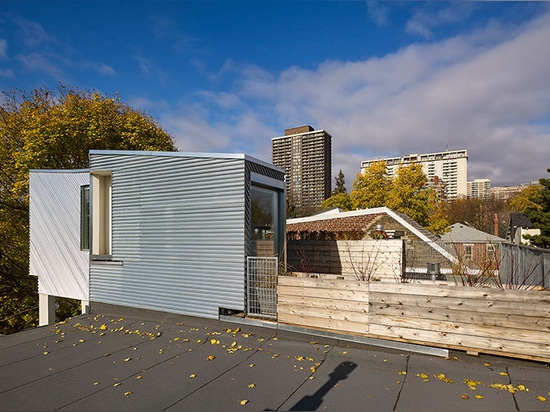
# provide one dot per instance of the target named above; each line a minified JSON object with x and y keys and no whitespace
{"x":383,"y":78}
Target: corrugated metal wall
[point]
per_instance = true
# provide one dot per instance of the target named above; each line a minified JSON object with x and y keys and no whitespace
{"x":178,"y":233}
{"x":55,"y":255}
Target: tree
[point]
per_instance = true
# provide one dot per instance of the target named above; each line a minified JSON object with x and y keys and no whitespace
{"x":371,"y":187}
{"x":340,"y":197}
{"x":521,"y":201}
{"x":539,"y":213}
{"x":52,"y":129}
{"x":438,"y":218}
{"x":341,"y":200}
{"x":340,"y":184}
{"x":409,"y":195}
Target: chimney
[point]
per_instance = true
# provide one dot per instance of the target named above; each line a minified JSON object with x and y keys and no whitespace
{"x":495,"y":224}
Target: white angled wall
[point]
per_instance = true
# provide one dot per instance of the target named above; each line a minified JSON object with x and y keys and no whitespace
{"x":55,"y":255}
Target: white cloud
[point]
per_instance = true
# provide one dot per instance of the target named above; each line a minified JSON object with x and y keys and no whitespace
{"x":33,"y":34}
{"x":425,"y":19}
{"x":377,"y":12}
{"x":469,"y":92}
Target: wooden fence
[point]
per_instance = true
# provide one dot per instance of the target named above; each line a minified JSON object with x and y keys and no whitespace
{"x":352,"y":259}
{"x":514,"y":323}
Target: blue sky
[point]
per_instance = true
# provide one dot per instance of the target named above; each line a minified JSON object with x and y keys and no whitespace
{"x":384,"y":78}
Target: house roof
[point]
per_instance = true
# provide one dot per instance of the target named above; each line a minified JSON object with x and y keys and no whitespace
{"x":334,"y":220}
{"x":520,"y":220}
{"x":186,"y":154}
{"x":462,"y":233}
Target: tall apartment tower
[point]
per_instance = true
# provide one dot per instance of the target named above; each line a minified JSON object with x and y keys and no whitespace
{"x":306,"y":156}
{"x":479,"y":189}
{"x":451,"y":167}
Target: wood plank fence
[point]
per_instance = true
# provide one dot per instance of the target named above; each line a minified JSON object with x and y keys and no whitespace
{"x":352,"y":259}
{"x":514,"y":323}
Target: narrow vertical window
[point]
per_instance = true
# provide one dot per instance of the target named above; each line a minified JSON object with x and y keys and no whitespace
{"x":468,"y":253}
{"x":101,"y":214}
{"x":85,"y":217}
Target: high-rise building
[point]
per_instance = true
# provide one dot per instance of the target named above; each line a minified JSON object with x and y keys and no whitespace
{"x":306,"y":156}
{"x":479,"y":189}
{"x":451,"y":167}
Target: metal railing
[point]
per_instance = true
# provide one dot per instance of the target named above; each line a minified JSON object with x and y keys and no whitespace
{"x":262,"y":286}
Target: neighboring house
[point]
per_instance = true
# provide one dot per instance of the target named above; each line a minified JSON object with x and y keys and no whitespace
{"x":423,"y":250}
{"x":518,"y":226}
{"x":472,"y":246}
{"x":165,"y":231}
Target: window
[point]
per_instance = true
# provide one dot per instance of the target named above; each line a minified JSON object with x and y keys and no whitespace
{"x":101,"y":214}
{"x":468,"y":253}
{"x":85,"y":217}
{"x":490,"y":253}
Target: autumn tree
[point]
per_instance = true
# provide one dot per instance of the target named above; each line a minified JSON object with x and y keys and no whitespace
{"x":52,"y":129}
{"x":408,"y":193}
{"x":522,"y":200}
{"x":539,"y":213}
{"x":371,"y":187}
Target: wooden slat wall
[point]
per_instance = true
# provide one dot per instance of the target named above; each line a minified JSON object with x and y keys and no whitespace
{"x":502,"y":322}
{"x":336,"y":305}
{"x":383,"y":259}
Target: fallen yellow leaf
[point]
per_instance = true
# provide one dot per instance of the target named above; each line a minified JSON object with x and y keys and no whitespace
{"x":103,"y":327}
{"x":479,"y":396}
{"x":503,"y":374}
{"x":464,"y":396}
{"x":252,"y":385}
{"x":128,"y":393}
{"x":192,"y":376}
{"x":117,"y":384}
{"x":210,"y":357}
{"x":244,"y":402}
{"x":541,"y":398}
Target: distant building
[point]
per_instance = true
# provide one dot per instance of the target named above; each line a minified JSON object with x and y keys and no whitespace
{"x":306,"y":156}
{"x":507,"y":192}
{"x":450,"y":166}
{"x":479,"y":189}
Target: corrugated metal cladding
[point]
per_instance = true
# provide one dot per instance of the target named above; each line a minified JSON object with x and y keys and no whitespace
{"x":178,"y":227}
{"x":55,"y":255}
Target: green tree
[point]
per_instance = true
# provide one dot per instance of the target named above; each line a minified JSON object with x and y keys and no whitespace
{"x":340,"y":184}
{"x":371,"y":187}
{"x":52,"y":129}
{"x":409,"y":195}
{"x":340,"y":197}
{"x":539,"y":213}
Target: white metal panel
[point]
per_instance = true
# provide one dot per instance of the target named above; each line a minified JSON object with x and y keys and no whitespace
{"x":55,"y":255}
{"x":178,"y":227}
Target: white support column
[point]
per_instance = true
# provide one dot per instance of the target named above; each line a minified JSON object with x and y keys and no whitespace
{"x":85,"y":305}
{"x":46,"y":309}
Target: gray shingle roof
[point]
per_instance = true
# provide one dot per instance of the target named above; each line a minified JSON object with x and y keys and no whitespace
{"x":462,"y":233}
